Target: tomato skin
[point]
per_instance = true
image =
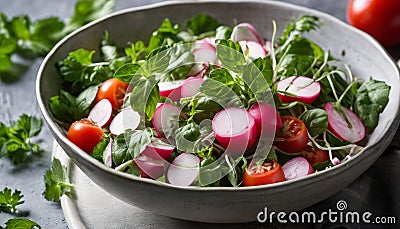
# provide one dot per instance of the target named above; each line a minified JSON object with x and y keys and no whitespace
{"x":379,"y":18}
{"x":85,"y":135}
{"x":264,"y":176}
{"x":314,"y":156}
{"x":295,"y":135}
{"x":114,"y":91}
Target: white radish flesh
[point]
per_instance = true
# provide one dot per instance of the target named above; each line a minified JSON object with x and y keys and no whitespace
{"x":149,"y":167}
{"x":266,"y":118}
{"x":245,"y":32}
{"x":158,"y":149}
{"x":124,"y":120}
{"x":191,"y":87}
{"x":101,"y":113}
{"x":171,"y":89}
{"x":253,"y":50}
{"x":235,"y":129}
{"x":298,"y":88}
{"x":166,"y":117}
{"x":349,"y":128}
{"x":205,"y":54}
{"x":184,"y":170}
{"x":297,"y":167}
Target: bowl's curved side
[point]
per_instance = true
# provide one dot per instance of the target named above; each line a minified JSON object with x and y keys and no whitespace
{"x":226,"y":204}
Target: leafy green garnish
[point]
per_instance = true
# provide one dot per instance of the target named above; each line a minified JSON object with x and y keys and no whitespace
{"x":56,"y":182}
{"x":21,"y":223}
{"x":316,"y":121}
{"x":15,"y":141}
{"x":303,"y":24}
{"x":202,"y":23}
{"x":9,"y":200}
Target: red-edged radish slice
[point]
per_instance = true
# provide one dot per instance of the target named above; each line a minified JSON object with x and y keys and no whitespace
{"x":166,"y":116}
{"x":266,"y":118}
{"x":171,"y":89}
{"x":149,"y":167}
{"x":191,"y":86}
{"x":245,"y":32}
{"x":205,"y":54}
{"x":125,"y":119}
{"x":184,"y":170}
{"x":107,"y":155}
{"x":299,"y":88}
{"x":203,"y":43}
{"x":340,"y":127}
{"x":253,"y":50}
{"x":158,"y":149}
{"x":101,"y":113}
{"x":297,"y":167}
{"x":235,"y":129}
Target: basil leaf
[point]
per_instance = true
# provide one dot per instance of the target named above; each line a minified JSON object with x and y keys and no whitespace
{"x":120,"y":151}
{"x":126,"y":72}
{"x":257,"y":86}
{"x":186,"y":137}
{"x":231,"y":56}
{"x":145,"y":96}
{"x":85,"y":100}
{"x":316,"y":121}
{"x":202,"y":23}
{"x":99,"y":149}
{"x":371,"y":99}
{"x":137,"y":141}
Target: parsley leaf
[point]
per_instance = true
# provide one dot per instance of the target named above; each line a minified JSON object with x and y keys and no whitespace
{"x":56,"y":182}
{"x":15,"y":140}
{"x":9,"y":200}
{"x":19,"y":223}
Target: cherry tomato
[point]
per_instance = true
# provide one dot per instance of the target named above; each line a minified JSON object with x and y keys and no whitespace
{"x":379,"y":18}
{"x":85,"y":135}
{"x":114,"y":90}
{"x":314,"y":155}
{"x":270,"y":172}
{"x":293,"y":136}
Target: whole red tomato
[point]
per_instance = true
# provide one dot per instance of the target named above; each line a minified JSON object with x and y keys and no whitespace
{"x":85,"y":135}
{"x":379,"y":18}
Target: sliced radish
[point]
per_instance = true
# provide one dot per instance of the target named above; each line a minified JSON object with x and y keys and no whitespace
{"x":166,"y":117}
{"x":245,"y":32}
{"x":191,"y":86}
{"x":171,"y":89}
{"x":150,"y":167}
{"x":107,"y":154}
{"x":101,"y":113}
{"x":297,"y":167}
{"x":266,"y":118}
{"x":205,"y":54}
{"x":184,"y":170}
{"x":298,"y":88}
{"x":235,"y":129}
{"x":339,"y":125}
{"x":158,"y":149}
{"x":126,"y":119}
{"x":253,"y":50}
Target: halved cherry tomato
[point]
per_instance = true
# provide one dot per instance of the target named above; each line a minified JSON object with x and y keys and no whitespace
{"x":114,"y":90}
{"x":379,"y":18}
{"x":314,"y":155}
{"x":85,"y":135}
{"x":270,"y":172}
{"x":293,"y":136}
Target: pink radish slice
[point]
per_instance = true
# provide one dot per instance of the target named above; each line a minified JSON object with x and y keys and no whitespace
{"x":245,"y":32}
{"x":171,"y":89}
{"x":184,"y":170}
{"x":126,"y":119}
{"x":165,"y":117}
{"x":340,"y":128}
{"x":253,"y":49}
{"x":266,"y":118}
{"x":191,"y":86}
{"x":235,"y":129}
{"x":297,"y":167}
{"x":205,"y":54}
{"x":107,"y":155}
{"x":149,"y":167}
{"x":158,"y":149}
{"x":303,"y":89}
{"x":101,"y":113}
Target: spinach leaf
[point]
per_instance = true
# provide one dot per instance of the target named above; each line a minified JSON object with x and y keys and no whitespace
{"x":371,"y":99}
{"x":99,"y":149}
{"x":316,"y":121}
{"x":202,"y":23}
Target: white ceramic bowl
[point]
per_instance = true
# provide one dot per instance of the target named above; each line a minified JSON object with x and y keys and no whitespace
{"x":223,"y":204}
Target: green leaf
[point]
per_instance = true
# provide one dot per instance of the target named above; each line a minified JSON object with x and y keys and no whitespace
{"x":126,"y":72}
{"x":19,"y":27}
{"x":223,"y":32}
{"x":316,"y":121}
{"x":231,"y":56}
{"x":5,"y":63}
{"x":202,"y":23}
{"x":264,"y":65}
{"x":7,"y":45}
{"x":99,"y":149}
{"x":9,"y":200}
{"x":256,"y":84}
{"x":137,"y":141}
{"x":303,"y":24}
{"x":145,"y":96}
{"x":167,"y":34}
{"x":371,"y":99}
{"x":85,"y":100}
{"x":21,"y":223}
{"x":29,"y":126}
{"x":56,"y":182}
{"x":186,"y":137}
{"x":295,"y":65}
{"x":120,"y":152}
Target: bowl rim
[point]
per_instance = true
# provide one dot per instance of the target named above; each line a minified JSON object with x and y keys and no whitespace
{"x":322,"y":175}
